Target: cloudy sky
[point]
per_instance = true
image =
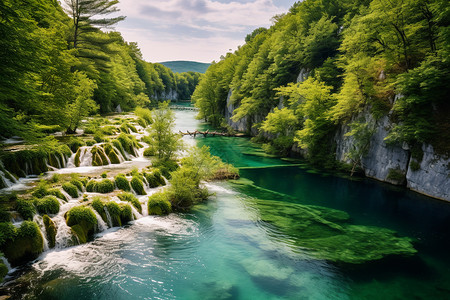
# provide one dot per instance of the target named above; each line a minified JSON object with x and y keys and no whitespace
{"x":198,"y":30}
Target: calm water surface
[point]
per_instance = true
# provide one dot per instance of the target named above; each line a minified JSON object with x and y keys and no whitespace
{"x":222,"y":250}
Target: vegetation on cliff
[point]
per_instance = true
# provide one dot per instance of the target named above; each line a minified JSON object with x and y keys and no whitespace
{"x":325,"y":62}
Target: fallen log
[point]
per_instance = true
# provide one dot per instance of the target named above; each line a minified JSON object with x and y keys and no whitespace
{"x":211,"y":133}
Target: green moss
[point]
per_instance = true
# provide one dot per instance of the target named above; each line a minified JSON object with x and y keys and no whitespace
{"x":118,"y":146}
{"x":122,"y":182}
{"x":99,"y":157}
{"x":83,"y":221}
{"x":70,"y":189}
{"x":77,"y":160}
{"x":98,"y":205}
{"x":91,"y":186}
{"x":158,"y":204}
{"x":166,"y":167}
{"x":78,"y":184}
{"x":75,"y":143}
{"x":126,"y":214}
{"x":105,"y":186}
{"x":25,"y":209}
{"x":129,"y":197}
{"x":114,"y":211}
{"x":41,"y":190}
{"x":396,"y":176}
{"x":50,"y":229}
{"x":3,"y":271}
{"x":108,"y":130}
{"x":57,"y":193}
{"x":4,"y":216}
{"x":154,"y":179}
{"x":90,"y":142}
{"x":27,"y":245}
{"x":414,"y":165}
{"x":47,"y":205}
{"x":7,"y":233}
{"x":138,"y":185}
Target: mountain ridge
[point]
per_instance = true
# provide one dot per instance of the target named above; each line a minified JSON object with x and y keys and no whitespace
{"x":181,"y":66}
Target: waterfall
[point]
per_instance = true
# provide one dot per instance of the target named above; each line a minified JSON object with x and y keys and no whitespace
{"x":38,"y":220}
{"x":85,"y":156}
{"x":119,"y":154}
{"x":101,"y":225}
{"x":64,"y":235}
{"x":6,"y":179}
{"x":135,"y":213}
{"x":6,"y":263}
{"x":108,"y":217}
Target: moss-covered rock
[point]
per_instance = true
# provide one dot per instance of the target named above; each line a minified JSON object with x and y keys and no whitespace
{"x":7,"y":233}
{"x":114,"y":211}
{"x":98,"y":205}
{"x":118,"y":146}
{"x":75,"y":143}
{"x":150,"y":151}
{"x":25,"y":208}
{"x":138,"y":185}
{"x":50,"y":229}
{"x":105,"y":186}
{"x":154,"y":178}
{"x":159,"y":204}
{"x":78,"y":184}
{"x":83,"y":222}
{"x":27,"y":245}
{"x":91,"y":186}
{"x":99,"y":157}
{"x":126,"y":214}
{"x":70,"y":189}
{"x":122,"y":182}
{"x":47,"y":205}
{"x":57,"y":193}
{"x":129,"y":197}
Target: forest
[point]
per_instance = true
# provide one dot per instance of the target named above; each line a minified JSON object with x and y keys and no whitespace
{"x":327,"y":64}
{"x":60,"y":63}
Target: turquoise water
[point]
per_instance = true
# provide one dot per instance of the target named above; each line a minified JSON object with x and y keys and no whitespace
{"x":223,"y":249}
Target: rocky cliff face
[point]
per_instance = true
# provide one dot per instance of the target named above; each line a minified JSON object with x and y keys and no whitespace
{"x":392,"y":163}
{"x":169,"y":95}
{"x":384,"y":162}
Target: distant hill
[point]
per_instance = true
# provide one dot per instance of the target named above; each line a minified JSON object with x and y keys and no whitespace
{"x":181,"y":66}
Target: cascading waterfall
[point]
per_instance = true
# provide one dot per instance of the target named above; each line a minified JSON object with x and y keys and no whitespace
{"x":64,"y":236}
{"x":119,"y":154}
{"x":101,"y":225}
{"x":38,"y":220}
{"x":6,"y":263}
{"x":108,"y":217}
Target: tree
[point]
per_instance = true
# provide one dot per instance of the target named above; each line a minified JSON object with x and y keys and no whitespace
{"x":166,"y":142}
{"x":85,"y":15}
{"x":82,"y":104}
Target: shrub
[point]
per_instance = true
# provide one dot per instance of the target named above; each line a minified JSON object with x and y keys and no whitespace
{"x":70,"y":189}
{"x":91,"y":186}
{"x":122,"y":182}
{"x":154,"y":179}
{"x":396,"y":176}
{"x":158,"y":204}
{"x":129,"y":197}
{"x":150,"y":151}
{"x":104,"y":174}
{"x":105,"y":186}
{"x":145,"y":116}
{"x":166,"y":167}
{"x":47,"y":205}
{"x":137,"y":185}
{"x":41,"y":190}
{"x":55,"y":178}
{"x":4,"y":216}
{"x":108,"y":130}
{"x":25,"y":209}
{"x":414,"y":165}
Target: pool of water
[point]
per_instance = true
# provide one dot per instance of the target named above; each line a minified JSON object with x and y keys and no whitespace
{"x":223,"y":249}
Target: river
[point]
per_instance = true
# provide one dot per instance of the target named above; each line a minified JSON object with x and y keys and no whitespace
{"x":224,"y":248}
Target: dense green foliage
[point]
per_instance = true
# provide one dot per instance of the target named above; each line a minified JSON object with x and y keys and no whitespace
{"x":58,"y":66}
{"x":25,"y":243}
{"x":348,"y":57}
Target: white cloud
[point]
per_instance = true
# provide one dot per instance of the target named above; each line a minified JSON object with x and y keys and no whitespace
{"x":199,"y":30}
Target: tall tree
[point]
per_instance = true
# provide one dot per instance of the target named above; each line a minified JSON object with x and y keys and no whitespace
{"x":85,"y":15}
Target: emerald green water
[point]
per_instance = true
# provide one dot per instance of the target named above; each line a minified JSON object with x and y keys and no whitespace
{"x":246,"y":242}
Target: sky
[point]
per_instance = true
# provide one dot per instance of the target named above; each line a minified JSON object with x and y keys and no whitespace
{"x":197,"y":30}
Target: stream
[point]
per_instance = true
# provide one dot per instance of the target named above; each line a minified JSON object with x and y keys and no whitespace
{"x":226,"y":249}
